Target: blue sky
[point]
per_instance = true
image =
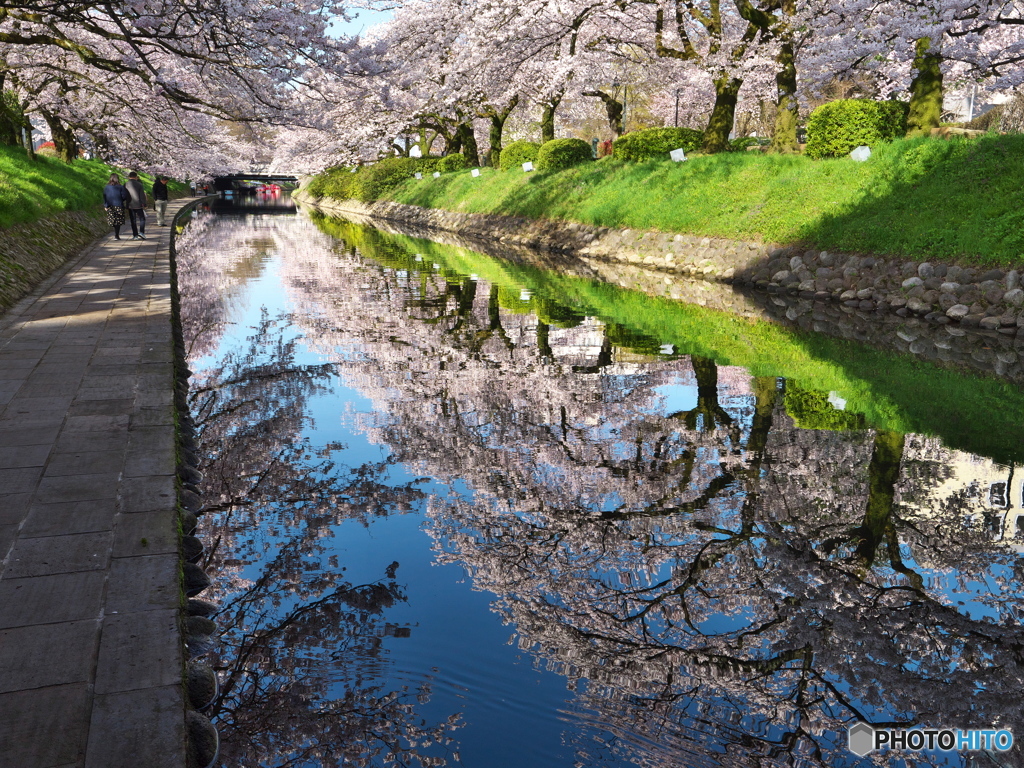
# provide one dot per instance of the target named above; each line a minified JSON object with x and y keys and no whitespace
{"x":362,"y":20}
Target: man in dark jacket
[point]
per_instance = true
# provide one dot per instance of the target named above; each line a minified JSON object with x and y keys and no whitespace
{"x":136,"y":206}
{"x":160,"y":199}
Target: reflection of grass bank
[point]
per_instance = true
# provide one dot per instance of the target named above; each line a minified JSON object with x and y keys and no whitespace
{"x":893,"y":392}
{"x":923,"y":198}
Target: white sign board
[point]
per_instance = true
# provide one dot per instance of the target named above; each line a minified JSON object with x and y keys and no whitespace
{"x":437,"y":174}
{"x":527,"y":167}
{"x":475,"y":172}
{"x":860,"y":154}
{"x":415,"y":151}
{"x":353,"y":170}
{"x":419,"y":175}
{"x":836,"y":401}
{"x":677,"y":155}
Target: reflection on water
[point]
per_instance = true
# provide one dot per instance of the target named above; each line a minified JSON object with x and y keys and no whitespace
{"x":459,"y":519}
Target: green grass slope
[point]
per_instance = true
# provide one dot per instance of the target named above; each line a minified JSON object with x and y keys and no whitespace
{"x":30,"y":190}
{"x":921,"y":198}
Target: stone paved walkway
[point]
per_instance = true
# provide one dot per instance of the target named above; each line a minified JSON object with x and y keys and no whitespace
{"x":90,"y":647}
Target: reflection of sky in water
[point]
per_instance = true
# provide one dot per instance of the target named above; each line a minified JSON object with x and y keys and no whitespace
{"x":516,"y":704}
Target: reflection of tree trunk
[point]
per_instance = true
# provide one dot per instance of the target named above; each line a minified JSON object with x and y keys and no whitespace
{"x":604,"y":357}
{"x":543,"y":345}
{"x":708,"y":414}
{"x":883,"y":472}
{"x":766,"y":395}
{"x":465,"y":298}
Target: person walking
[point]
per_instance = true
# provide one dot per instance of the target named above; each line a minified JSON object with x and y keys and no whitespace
{"x":136,"y":206}
{"x":160,"y":199}
{"x":114,"y":198}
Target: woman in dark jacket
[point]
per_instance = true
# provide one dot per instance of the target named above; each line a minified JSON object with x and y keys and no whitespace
{"x":114,"y":198}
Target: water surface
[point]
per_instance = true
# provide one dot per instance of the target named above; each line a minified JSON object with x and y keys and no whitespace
{"x":472,"y":512}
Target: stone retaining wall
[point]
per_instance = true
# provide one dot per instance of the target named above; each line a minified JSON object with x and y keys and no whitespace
{"x":30,"y":252}
{"x":951,"y":344}
{"x":940,"y":293}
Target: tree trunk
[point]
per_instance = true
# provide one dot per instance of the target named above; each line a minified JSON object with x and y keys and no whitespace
{"x":784,"y":141}
{"x":497,"y":130}
{"x":10,"y":120}
{"x":26,"y":139}
{"x":467,"y":140}
{"x":925,"y":90}
{"x":613,"y":107}
{"x":63,"y":138}
{"x":547,"y":119}
{"x":425,"y":142}
{"x":716,"y":135}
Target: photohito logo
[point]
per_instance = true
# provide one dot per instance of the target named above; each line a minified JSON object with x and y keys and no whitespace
{"x":864,"y":739}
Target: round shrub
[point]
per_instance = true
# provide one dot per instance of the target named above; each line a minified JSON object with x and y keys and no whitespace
{"x":518,"y":152}
{"x":449,"y":163}
{"x":371,"y":182}
{"x":563,"y":153}
{"x":838,"y":127}
{"x":335,"y":183}
{"x":656,"y":143}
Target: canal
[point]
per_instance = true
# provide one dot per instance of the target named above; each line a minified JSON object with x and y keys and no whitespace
{"x":469,"y":511}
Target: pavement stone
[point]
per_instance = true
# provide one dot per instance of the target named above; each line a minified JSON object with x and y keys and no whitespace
{"x":77,"y":487}
{"x":44,"y":555}
{"x":66,"y":517}
{"x":141,"y":728}
{"x":145,"y":533}
{"x":147,"y":583}
{"x":145,"y":494}
{"x":30,"y":720}
{"x":91,"y":652}
{"x":47,"y":654}
{"x":61,"y":597}
{"x":139,"y":650}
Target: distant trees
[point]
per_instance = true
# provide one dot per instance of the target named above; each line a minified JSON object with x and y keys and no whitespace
{"x":458,"y":75}
{"x":149,"y":82}
{"x":457,"y":63}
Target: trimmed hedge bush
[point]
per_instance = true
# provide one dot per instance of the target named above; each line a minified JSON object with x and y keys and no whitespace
{"x":656,"y":143}
{"x":518,"y":152}
{"x":449,"y":163}
{"x":334,"y":183}
{"x":838,"y":127}
{"x":563,"y":153}
{"x":370,"y":182}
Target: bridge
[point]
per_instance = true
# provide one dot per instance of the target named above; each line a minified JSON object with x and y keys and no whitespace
{"x":222,"y":183}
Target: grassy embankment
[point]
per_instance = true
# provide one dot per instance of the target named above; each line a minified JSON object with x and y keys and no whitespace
{"x":919,"y":198}
{"x":884,"y":390}
{"x":31,"y":190}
